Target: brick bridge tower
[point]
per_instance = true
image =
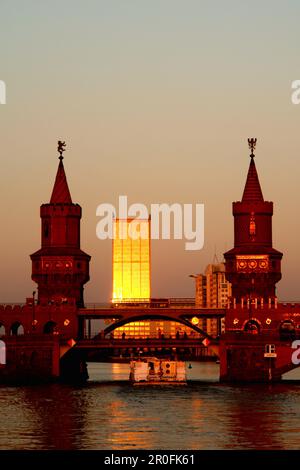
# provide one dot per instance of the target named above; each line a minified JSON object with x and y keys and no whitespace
{"x":60,"y":267}
{"x":253,"y":266}
{"x":259,"y":331}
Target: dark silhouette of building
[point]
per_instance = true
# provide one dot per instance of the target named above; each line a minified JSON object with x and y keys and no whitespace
{"x":253,"y":266}
{"x":256,"y":325}
{"x":60,"y":268}
{"x":47,"y":339}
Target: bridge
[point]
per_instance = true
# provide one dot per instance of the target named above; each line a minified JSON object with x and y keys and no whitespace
{"x":94,"y":344}
{"x":149,"y":346}
{"x":51,"y":336}
{"x":123,"y":315}
{"x":56,"y":340}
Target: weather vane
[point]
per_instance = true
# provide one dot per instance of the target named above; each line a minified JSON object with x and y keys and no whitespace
{"x":252,"y":145}
{"x":61,"y":147}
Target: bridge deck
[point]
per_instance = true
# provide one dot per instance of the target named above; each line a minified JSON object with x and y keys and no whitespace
{"x":119,"y":312}
{"x":139,"y":343}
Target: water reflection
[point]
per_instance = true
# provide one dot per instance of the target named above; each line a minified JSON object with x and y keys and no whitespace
{"x":107,"y":415}
{"x":255,"y":421}
{"x":58,"y":415}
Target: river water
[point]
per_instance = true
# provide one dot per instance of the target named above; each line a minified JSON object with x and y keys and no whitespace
{"x":109,"y":413}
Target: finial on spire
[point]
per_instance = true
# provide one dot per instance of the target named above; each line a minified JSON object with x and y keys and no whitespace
{"x":252,"y":145}
{"x":61,"y":148}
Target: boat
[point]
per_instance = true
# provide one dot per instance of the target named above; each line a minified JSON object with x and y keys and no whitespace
{"x":151,"y":370}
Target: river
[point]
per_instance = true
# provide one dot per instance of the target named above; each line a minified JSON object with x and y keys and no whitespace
{"x":109,"y":413}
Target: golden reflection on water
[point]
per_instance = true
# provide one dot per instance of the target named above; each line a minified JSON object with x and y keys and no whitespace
{"x":104,"y":415}
{"x":124,"y":423}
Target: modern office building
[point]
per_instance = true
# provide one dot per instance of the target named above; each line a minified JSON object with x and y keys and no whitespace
{"x":132,"y":278}
{"x":153,"y":329}
{"x":212,"y":291}
{"x":131,"y":270}
{"x":131,"y":260}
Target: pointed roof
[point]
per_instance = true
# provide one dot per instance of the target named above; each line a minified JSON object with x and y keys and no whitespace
{"x":61,"y":193}
{"x":252,"y":191}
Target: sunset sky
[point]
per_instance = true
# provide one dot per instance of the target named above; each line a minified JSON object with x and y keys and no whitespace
{"x":156,"y":100}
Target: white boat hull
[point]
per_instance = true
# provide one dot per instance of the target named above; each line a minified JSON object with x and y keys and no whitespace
{"x":155,"y":371}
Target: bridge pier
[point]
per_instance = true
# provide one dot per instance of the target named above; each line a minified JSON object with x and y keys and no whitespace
{"x":41,"y":358}
{"x":73,"y":366}
{"x":243,"y":358}
{"x":30,"y":358}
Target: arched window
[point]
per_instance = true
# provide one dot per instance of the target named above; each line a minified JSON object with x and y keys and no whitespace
{"x":252,"y":327}
{"x":2,"y":329}
{"x":49,"y":328}
{"x":252,"y":226}
{"x":46,"y":229}
{"x":17,"y":329}
{"x":2,"y":353}
{"x":287,"y":331}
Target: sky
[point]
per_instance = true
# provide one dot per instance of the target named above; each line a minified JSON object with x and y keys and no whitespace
{"x":155,"y":100}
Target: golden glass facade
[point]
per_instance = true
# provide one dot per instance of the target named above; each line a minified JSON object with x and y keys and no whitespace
{"x":131,"y":260}
{"x":153,"y":329}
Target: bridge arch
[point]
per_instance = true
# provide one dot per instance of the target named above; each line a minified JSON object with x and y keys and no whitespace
{"x":252,"y":326}
{"x":147,"y":317}
{"x":17,"y":329}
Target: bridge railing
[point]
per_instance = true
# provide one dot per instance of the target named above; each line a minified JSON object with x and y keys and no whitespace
{"x":181,"y":302}
{"x":12,"y":304}
{"x":143,"y":342}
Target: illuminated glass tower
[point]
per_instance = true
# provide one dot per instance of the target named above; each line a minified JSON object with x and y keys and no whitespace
{"x":131,"y":260}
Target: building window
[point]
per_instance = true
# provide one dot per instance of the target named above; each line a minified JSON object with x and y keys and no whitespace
{"x":252,"y":226}
{"x":46,"y":229}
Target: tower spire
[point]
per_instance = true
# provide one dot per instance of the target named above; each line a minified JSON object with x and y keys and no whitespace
{"x":60,"y":268}
{"x":61,"y":193}
{"x":61,"y":147}
{"x":252,"y":191}
{"x":252,"y":145}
